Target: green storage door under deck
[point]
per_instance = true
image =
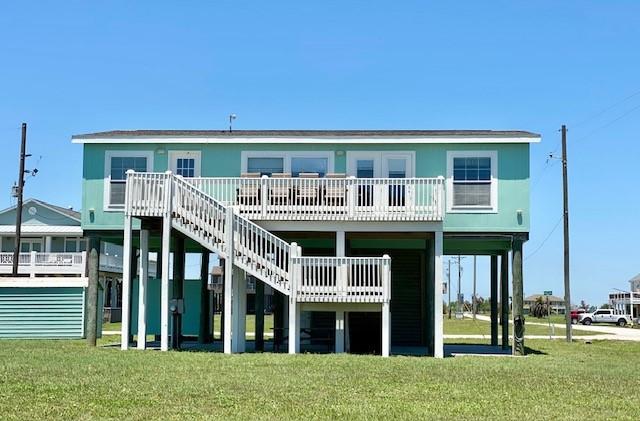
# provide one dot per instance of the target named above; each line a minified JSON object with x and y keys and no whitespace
{"x":47,"y":312}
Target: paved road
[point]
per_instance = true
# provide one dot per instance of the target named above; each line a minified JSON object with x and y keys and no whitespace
{"x":608,"y":332}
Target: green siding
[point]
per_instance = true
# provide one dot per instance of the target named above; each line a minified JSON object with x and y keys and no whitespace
{"x":431,"y":161}
{"x":190,"y":317}
{"x":41,"y":312}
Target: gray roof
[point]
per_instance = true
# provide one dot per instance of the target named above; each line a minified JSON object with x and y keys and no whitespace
{"x":307,"y":133}
{"x":552,"y":298}
{"x":65,"y":211}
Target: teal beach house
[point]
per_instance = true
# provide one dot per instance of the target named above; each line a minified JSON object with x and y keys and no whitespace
{"x":347,"y":229}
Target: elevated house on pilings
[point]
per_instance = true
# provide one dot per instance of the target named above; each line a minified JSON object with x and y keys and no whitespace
{"x":348,"y":228}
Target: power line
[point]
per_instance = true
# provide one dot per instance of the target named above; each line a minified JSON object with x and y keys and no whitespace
{"x":604,"y":126}
{"x":604,"y":110}
{"x":555,"y":227}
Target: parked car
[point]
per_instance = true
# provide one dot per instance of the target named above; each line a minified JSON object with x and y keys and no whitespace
{"x":575,"y":315}
{"x":605,"y":315}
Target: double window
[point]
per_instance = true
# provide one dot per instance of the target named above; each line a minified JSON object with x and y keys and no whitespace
{"x":117,"y":163}
{"x":73,"y":245}
{"x":270,"y":162}
{"x":472,"y":181}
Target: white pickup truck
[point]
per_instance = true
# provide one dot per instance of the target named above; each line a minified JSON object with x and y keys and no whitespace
{"x":604,"y":315}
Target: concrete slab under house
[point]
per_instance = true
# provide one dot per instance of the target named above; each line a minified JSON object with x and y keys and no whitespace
{"x":347,"y":230}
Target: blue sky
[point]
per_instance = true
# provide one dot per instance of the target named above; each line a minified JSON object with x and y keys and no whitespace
{"x":72,"y":67}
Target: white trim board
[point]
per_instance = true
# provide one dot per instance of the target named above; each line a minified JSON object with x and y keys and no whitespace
{"x":43,"y":282}
{"x":313,"y":140}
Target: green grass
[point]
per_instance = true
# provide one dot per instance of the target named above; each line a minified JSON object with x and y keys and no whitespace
{"x":66,"y":379}
{"x":469,"y":326}
{"x":251,"y":324}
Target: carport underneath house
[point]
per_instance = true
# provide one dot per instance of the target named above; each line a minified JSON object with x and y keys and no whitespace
{"x":415,"y":327}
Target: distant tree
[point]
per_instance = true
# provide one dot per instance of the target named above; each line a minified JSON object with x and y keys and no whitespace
{"x":605,"y":305}
{"x":584,"y":305}
{"x":540,"y":308}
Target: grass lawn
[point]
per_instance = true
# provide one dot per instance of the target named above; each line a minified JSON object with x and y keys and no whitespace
{"x":66,"y":379}
{"x":469,"y":326}
{"x":251,"y":324}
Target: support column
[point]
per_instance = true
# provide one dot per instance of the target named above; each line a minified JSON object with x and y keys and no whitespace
{"x":91,"y":328}
{"x":438,"y":340}
{"x":518,"y":313}
{"x":239,"y":311}
{"x":259,"y":308}
{"x":164,"y":285}
{"x":133,"y":267}
{"x":340,"y":332}
{"x":178,"y":290}
{"x":47,"y":244}
{"x":278,"y":320}
{"x":494,"y":300}
{"x":431,"y":293}
{"x":126,"y":283}
{"x":504,"y":298}
{"x":294,"y":308}
{"x":143,"y":278}
{"x":228,"y":281}
{"x":340,"y":319}
{"x":204,"y":333}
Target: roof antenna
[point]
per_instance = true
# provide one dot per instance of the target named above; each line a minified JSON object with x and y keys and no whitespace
{"x":231,"y":118}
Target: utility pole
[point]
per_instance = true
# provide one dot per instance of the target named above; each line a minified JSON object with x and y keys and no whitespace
{"x":449,"y":287}
{"x":18,"y":194}
{"x":474,"y":304}
{"x":565,"y":199}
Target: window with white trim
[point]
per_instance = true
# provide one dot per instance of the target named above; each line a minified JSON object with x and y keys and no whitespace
{"x":472,"y":181}
{"x":269,"y":162}
{"x":73,"y":245}
{"x":117,"y":163}
{"x":185,"y":163}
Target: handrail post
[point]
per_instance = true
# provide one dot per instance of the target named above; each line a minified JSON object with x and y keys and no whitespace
{"x":33,"y":265}
{"x":351,"y":196}
{"x":83,"y":266}
{"x":264,"y":180}
{"x":128,"y":191}
{"x":440,"y":198}
{"x":168,"y":192}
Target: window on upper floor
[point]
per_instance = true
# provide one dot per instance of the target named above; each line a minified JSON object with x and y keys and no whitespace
{"x":73,"y":245}
{"x":270,"y":162}
{"x":117,"y":163}
{"x":265,"y":165}
{"x":185,"y":163}
{"x":472,"y":181}
{"x":309,"y":165}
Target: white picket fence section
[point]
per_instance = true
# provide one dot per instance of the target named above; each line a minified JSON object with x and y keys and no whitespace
{"x":341,"y":199}
{"x":38,"y":263}
{"x":254,"y":249}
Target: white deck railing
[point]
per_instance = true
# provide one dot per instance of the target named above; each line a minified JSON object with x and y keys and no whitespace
{"x":254,"y":249}
{"x":344,"y":279}
{"x":36,"y":263}
{"x":360,"y":199}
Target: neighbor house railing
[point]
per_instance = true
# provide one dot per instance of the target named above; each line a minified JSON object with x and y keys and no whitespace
{"x":361,"y":199}
{"x":37,"y":263}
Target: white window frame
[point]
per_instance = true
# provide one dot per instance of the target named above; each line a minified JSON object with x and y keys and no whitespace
{"x":286,"y":157}
{"x":31,"y":241}
{"x":175,"y":155}
{"x":77,"y":241}
{"x":107,"y":206}
{"x":493,"y":208}
{"x":380,"y":165}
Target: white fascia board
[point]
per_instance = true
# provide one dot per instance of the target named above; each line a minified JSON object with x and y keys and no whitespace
{"x":48,"y":282}
{"x":312,"y":140}
{"x":61,"y":230}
